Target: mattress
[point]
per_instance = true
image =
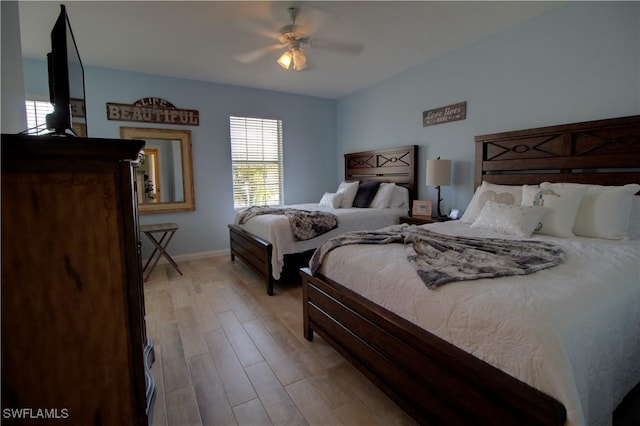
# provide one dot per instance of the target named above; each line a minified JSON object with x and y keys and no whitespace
{"x":572,"y":331}
{"x":276,"y":229}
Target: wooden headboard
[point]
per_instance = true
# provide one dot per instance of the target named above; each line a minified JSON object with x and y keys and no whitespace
{"x":398,"y":165}
{"x":605,"y":152}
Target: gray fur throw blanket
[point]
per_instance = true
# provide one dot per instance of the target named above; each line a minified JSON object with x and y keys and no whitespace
{"x":440,"y":259}
{"x":304,"y":224}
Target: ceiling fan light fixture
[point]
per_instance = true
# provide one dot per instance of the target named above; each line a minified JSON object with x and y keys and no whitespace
{"x":291,"y":38}
{"x":299,"y":59}
{"x":285,"y":60}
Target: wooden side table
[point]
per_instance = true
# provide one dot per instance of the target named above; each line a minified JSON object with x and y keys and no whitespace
{"x":418,"y":220}
{"x":160,"y":249}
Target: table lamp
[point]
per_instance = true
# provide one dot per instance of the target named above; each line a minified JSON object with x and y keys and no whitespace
{"x":438,"y":174}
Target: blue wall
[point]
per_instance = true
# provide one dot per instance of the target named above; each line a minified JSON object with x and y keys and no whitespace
{"x":309,"y":141}
{"x":577,"y":63}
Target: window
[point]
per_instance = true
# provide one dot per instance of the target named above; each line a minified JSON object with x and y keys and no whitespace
{"x":36,"y":116}
{"x":256,"y":157}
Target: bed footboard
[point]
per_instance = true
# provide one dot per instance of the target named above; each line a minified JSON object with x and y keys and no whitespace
{"x":254,"y":251}
{"x":434,"y":381}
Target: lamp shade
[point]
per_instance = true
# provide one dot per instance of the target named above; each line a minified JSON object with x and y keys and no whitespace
{"x":299,"y":59}
{"x":438,"y":172}
{"x":285,"y":60}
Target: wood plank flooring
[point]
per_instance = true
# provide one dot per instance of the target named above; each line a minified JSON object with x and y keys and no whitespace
{"x":227,"y":354}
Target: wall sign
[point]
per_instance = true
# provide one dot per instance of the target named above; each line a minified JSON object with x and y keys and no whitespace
{"x":445,"y":114}
{"x":153,"y":110}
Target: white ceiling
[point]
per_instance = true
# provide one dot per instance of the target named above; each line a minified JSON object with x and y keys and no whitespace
{"x":197,"y":40}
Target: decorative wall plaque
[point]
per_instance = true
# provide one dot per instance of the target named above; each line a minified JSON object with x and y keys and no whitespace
{"x":153,"y":110}
{"x":445,"y":114}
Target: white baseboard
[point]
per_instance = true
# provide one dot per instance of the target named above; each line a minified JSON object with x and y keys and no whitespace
{"x":192,"y":256}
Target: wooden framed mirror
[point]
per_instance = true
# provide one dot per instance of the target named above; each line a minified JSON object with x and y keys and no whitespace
{"x":165,"y":176}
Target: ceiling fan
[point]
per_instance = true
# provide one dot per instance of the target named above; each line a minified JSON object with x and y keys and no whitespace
{"x":293,"y":38}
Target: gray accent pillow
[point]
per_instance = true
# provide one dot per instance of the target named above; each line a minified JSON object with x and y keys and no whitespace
{"x":366,"y":193}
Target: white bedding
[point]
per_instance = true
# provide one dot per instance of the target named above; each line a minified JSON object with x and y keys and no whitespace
{"x":276,"y":229}
{"x":572,"y":331}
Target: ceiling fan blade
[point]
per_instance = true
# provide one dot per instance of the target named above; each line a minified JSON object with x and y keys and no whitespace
{"x":257,"y":28}
{"x":310,"y":19}
{"x":349,"y":48}
{"x":254,"y":55}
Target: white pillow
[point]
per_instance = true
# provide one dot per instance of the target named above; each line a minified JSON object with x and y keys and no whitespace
{"x":503,"y":194}
{"x":332,"y":200}
{"x":382,"y":200}
{"x":400,"y":197}
{"x":348,"y":191}
{"x":604,"y":211}
{"x":563,"y":200}
{"x":520,"y":221}
{"x":634,"y":218}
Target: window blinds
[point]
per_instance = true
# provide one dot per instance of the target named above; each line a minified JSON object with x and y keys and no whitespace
{"x":256,"y":156}
{"x":37,"y":116}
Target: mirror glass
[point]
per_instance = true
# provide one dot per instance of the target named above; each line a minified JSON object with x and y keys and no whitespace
{"x":165,"y":175}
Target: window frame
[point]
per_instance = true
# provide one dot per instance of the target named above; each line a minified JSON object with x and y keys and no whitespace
{"x":256,"y":143}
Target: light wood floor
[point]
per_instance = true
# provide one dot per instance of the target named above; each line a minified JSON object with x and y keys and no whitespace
{"x":226,"y":353}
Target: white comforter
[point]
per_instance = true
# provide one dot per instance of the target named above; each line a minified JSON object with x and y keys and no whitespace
{"x":572,"y":331}
{"x":276,"y":229}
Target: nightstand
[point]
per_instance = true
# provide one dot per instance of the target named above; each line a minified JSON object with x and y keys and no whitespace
{"x":418,"y":220}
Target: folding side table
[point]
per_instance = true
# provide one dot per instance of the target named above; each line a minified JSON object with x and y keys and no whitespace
{"x":160,"y":249}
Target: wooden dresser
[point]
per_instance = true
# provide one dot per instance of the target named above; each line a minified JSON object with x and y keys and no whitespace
{"x":74,"y":344}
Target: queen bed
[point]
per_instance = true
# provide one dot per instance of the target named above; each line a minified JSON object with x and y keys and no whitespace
{"x":559,"y":346}
{"x":266,"y":244}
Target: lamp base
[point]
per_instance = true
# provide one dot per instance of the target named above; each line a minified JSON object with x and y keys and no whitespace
{"x":439,"y":200}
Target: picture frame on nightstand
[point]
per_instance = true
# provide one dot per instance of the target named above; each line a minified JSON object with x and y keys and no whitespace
{"x":422,"y":208}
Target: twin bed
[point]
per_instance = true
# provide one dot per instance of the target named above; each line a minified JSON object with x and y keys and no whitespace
{"x":560,"y":346}
{"x":265,"y":243}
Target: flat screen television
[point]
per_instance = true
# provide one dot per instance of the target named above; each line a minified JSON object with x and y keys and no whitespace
{"x":66,"y":76}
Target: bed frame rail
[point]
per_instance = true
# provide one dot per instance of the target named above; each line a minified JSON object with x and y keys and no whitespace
{"x":254,"y":251}
{"x":414,"y":367}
